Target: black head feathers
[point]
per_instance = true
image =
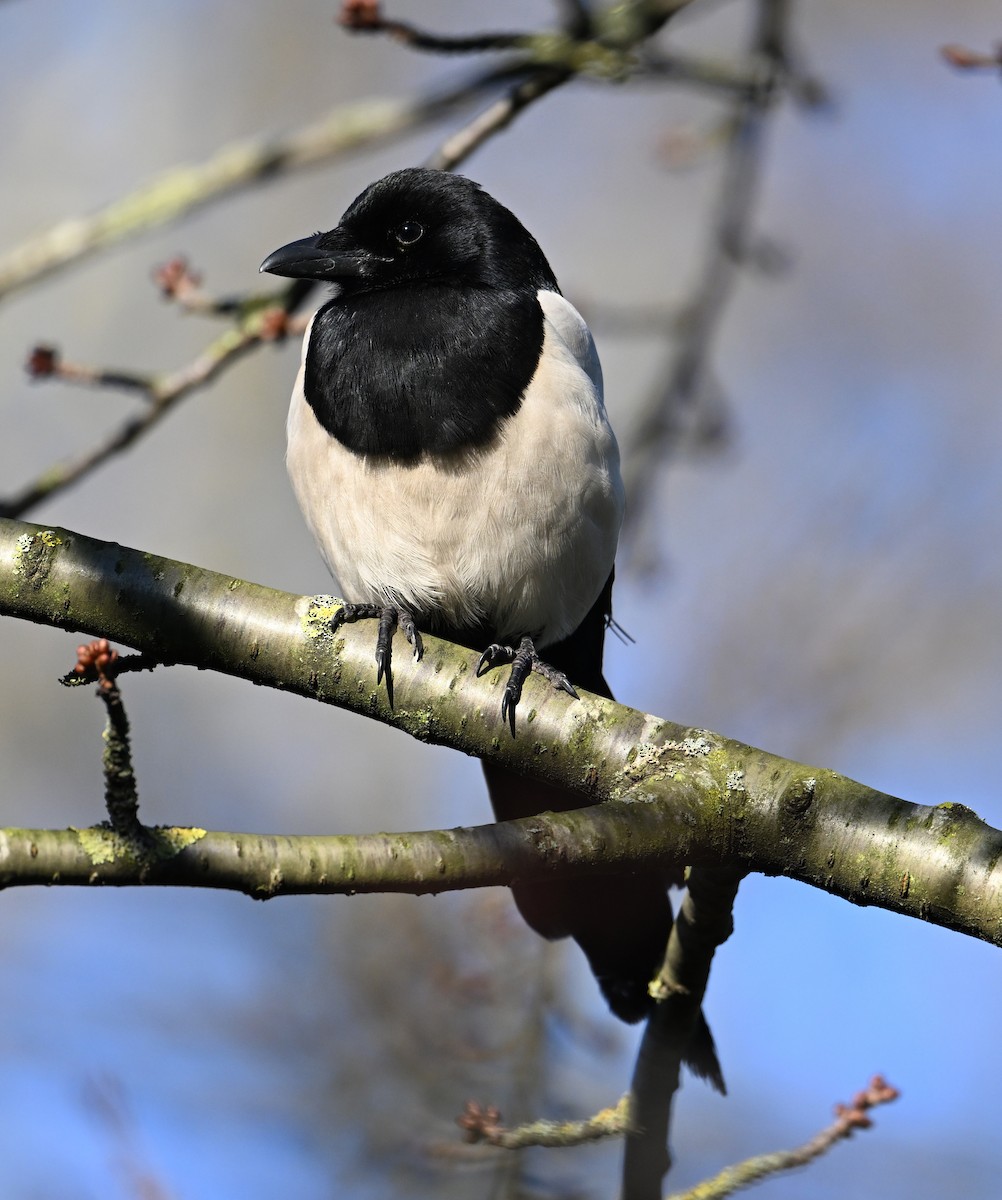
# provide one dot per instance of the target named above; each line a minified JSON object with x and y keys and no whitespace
{"x":420,"y":226}
{"x":434,"y":330}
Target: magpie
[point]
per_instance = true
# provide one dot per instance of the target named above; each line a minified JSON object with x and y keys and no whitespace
{"x":449,"y":448}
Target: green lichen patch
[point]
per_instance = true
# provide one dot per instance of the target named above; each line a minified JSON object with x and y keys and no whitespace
{"x":693,"y":747}
{"x":103,"y":845}
{"x":644,"y":758}
{"x":33,"y":556}
{"x":318,"y":615}
{"x":172,"y":839}
{"x":419,"y":723}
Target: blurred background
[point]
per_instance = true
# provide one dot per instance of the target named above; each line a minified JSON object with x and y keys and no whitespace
{"x":821,"y":577}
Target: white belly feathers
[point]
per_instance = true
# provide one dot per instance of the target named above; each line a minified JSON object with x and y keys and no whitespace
{"x":521,"y":534}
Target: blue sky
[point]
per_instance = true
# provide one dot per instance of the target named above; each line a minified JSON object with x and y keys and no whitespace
{"x":827,"y":587}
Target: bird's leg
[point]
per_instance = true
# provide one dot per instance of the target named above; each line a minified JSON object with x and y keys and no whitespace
{"x":523,"y":660}
{"x":390,"y":617}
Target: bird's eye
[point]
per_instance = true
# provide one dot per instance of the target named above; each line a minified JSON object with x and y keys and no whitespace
{"x":408,"y":233}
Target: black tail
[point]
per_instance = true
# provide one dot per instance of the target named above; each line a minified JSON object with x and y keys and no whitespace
{"x":621,"y":921}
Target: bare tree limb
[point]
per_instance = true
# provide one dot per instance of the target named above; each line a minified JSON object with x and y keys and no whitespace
{"x":686,"y":395}
{"x":460,"y":145}
{"x":161,"y":395}
{"x":703,"y":923}
{"x":185,"y":188}
{"x":691,"y":795}
{"x":848,"y":1119}
{"x":484,"y":1124}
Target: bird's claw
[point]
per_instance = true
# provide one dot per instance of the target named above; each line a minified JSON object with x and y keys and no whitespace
{"x":523,"y":661}
{"x":557,"y":678}
{"x":348,"y":614}
{"x":384,"y":645}
{"x":390,"y":618}
{"x":411,"y":632}
{"x":495,"y":655}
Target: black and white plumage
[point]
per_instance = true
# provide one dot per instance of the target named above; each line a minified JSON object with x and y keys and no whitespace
{"x":449,"y":448}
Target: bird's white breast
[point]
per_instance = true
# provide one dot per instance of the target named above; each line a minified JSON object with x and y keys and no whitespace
{"x":521,"y":533}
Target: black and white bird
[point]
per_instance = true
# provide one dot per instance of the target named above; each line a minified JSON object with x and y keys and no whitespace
{"x":450,"y":450}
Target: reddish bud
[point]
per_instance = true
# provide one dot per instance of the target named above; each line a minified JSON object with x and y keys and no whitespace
{"x":176,"y":276}
{"x":478,"y":1123}
{"x":966,"y":59}
{"x":274,"y":324}
{"x":360,"y":14}
{"x":97,"y":660}
{"x":43,"y":361}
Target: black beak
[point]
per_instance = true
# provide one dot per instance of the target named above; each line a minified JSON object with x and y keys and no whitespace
{"x":322,"y":256}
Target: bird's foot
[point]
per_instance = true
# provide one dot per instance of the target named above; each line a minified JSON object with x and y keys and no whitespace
{"x":523,"y":661}
{"x":390,"y":618}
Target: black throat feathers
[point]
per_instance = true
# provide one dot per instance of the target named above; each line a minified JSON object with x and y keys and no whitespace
{"x":409,"y":372}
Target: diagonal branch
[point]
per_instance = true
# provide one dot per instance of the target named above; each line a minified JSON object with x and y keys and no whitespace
{"x":683,"y":794}
{"x":848,"y":1120}
{"x":161,"y":395}
{"x":235,"y":167}
{"x":685,"y":397}
{"x":461,"y":144}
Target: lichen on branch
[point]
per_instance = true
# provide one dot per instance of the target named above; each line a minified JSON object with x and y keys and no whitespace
{"x":660,"y":789}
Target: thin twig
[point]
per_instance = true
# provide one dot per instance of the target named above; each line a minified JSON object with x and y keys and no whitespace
{"x":484,"y":1125}
{"x":744,"y":79}
{"x":460,"y":145}
{"x":703,"y":923}
{"x":849,"y":1118}
{"x":45,"y":362}
{"x":177,"y":281}
{"x":685,"y":400}
{"x":162,"y":396}
{"x":233,"y":168}
{"x":124,"y":665}
{"x":365,"y":16}
{"x":97,"y":661}
{"x":559,"y":58}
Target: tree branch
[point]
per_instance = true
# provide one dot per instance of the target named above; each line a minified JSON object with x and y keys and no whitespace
{"x":544,"y":57}
{"x":704,"y":922}
{"x":686,"y":396}
{"x":484,"y":1125}
{"x":848,"y":1120}
{"x":461,"y":144}
{"x":235,"y":167}
{"x":160,"y":394}
{"x":689,"y":795}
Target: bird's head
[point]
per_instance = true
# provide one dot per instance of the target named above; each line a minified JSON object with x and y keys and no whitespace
{"x":418,"y":227}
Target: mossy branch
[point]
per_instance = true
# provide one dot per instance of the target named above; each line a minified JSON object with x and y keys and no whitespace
{"x":191,"y":186}
{"x":665,"y":789}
